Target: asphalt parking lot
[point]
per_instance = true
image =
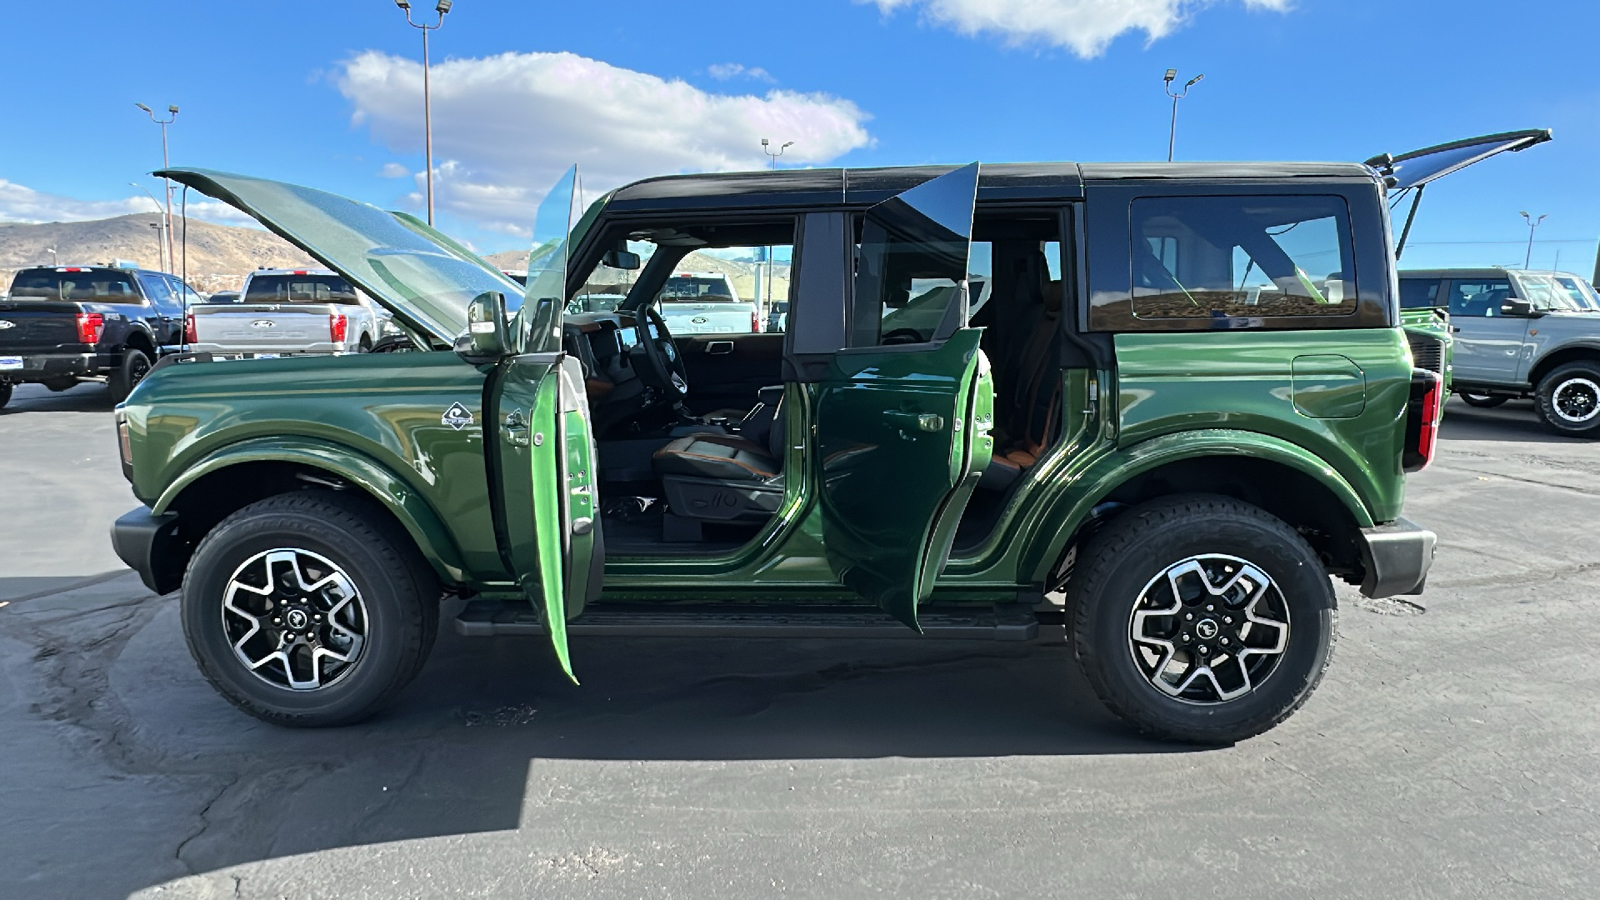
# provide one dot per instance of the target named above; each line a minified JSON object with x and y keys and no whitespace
{"x":1451,"y":752}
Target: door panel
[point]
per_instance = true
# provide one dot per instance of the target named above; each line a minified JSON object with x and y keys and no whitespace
{"x":729,"y":378}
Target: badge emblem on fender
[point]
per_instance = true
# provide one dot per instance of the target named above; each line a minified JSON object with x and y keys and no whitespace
{"x":457,"y":417}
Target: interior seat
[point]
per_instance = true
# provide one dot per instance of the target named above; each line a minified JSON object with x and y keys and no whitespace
{"x":1029,"y":414}
{"x":725,"y":477}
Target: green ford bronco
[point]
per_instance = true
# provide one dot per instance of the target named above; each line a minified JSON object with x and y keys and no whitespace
{"x":1177,"y":393}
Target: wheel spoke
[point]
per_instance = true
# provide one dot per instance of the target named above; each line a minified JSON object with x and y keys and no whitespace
{"x":294,"y":618}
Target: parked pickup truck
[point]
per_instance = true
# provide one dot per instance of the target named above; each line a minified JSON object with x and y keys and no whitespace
{"x":287,"y":312}
{"x":63,"y":325}
{"x":706,"y":303}
{"x":1189,"y":403}
{"x":1520,"y":333}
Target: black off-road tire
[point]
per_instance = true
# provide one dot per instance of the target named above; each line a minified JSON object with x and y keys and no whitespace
{"x":1144,"y":542}
{"x":5,"y":394}
{"x":1483,"y":401}
{"x":135,"y":366}
{"x":398,"y":589}
{"x":365,"y":346}
{"x":1566,"y":399}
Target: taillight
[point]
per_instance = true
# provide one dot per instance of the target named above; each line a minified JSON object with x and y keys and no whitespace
{"x":337,"y":325}
{"x":90,"y":327}
{"x":189,"y":334}
{"x":1423,"y":414}
{"x":755,"y":322}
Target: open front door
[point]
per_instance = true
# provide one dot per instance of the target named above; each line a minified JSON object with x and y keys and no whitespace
{"x":903,"y":414}
{"x":544,"y":449}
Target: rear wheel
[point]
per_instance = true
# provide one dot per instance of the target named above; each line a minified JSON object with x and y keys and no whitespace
{"x":366,"y":345}
{"x":5,"y":394}
{"x":1202,"y":619}
{"x":309,"y":609}
{"x":1568,"y":399}
{"x":1483,"y":401}
{"x":135,"y":366}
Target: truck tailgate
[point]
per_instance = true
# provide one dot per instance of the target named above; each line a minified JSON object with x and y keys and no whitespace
{"x":260,"y":328}
{"x":42,"y":326}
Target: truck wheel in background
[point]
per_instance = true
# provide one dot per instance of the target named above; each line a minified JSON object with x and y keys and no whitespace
{"x":1483,"y":401}
{"x":5,"y":394}
{"x":309,"y":609}
{"x":1568,"y":399}
{"x":1201,"y":618}
{"x":366,"y":345}
{"x":135,"y":366}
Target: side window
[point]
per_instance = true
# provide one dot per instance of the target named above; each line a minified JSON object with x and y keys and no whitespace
{"x":157,"y":289}
{"x":1478,"y":297}
{"x":182,"y":294}
{"x":1250,"y":257}
{"x":1419,"y":293}
{"x":907,"y":284}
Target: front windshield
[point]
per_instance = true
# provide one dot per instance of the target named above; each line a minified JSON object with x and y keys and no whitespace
{"x":408,"y":267}
{"x":1580,"y":291}
{"x":1546,"y":292}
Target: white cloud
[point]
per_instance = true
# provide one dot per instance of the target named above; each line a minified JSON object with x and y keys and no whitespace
{"x":505,"y":127}
{"x":19,"y":203}
{"x":1083,"y":26}
{"x":729,"y":71}
{"x":393,"y":170}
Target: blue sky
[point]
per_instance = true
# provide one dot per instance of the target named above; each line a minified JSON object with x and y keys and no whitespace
{"x":326,"y":94}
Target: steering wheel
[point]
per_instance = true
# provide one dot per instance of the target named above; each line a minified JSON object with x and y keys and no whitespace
{"x":662,"y":359}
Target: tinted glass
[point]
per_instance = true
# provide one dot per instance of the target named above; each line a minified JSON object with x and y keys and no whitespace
{"x":698,"y":289}
{"x":539,"y":319}
{"x":159,"y":290}
{"x":1422,"y":166}
{"x":1582,"y":294}
{"x":1244,"y":257}
{"x":1479,"y":297}
{"x":1419,"y":293}
{"x":81,"y":285}
{"x":299,"y":289}
{"x":911,"y":263}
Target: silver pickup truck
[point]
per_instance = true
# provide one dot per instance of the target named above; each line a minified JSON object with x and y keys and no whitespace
{"x":287,"y":312}
{"x":1520,"y":333}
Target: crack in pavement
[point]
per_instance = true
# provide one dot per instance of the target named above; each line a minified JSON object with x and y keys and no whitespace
{"x":1549,"y":484}
{"x":205,"y":825}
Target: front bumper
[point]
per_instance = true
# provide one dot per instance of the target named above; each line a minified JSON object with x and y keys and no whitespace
{"x":150,"y":545}
{"x":50,"y":366}
{"x":1396,"y":557}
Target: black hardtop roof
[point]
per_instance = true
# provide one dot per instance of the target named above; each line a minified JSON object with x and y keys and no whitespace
{"x":997,"y":182}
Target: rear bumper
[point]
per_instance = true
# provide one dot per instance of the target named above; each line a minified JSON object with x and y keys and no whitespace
{"x":1397,"y":557}
{"x":149,"y":544}
{"x":225,"y":351}
{"x":51,"y":366}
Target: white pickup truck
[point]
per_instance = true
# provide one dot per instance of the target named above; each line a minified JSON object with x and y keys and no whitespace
{"x":287,"y":312}
{"x":706,"y":303}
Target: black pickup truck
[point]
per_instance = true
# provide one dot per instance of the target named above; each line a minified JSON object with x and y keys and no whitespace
{"x":62,"y":325}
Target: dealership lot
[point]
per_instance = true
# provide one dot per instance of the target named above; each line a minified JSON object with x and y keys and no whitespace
{"x":1451,"y":751}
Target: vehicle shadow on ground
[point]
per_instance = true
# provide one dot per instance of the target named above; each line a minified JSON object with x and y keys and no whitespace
{"x":38,"y":398}
{"x":1515,"y":422}
{"x":482,"y":740}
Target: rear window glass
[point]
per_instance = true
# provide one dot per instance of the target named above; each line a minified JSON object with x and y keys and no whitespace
{"x":299,"y":289}
{"x":691,"y":289}
{"x":1245,"y":257}
{"x":87,"y":285}
{"x":1419,"y":293}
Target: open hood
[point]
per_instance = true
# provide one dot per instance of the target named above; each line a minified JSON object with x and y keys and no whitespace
{"x":426,"y":279}
{"x":1417,"y":168}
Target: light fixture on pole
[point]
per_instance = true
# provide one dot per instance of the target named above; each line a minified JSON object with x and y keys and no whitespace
{"x":54,"y":259}
{"x":427,"y":100}
{"x":766,"y":147}
{"x":1532,"y":224}
{"x":166,"y":236}
{"x":1172,"y":132}
{"x":169,"y":263}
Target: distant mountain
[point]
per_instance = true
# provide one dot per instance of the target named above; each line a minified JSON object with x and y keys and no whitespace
{"x":218,"y":255}
{"x":742,"y":273}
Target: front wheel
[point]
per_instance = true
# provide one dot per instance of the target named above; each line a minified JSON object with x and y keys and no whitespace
{"x":1202,"y":619}
{"x":1483,"y":401}
{"x":309,"y":609}
{"x":1568,"y":399}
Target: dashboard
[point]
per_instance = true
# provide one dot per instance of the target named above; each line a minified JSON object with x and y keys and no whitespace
{"x":603,"y":344}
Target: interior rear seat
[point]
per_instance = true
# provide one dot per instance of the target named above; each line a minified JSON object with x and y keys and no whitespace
{"x":1027,"y":417}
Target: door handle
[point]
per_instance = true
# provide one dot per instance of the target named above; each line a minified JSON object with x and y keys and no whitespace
{"x":1455,"y":329}
{"x":515,"y":428}
{"x":912,"y":421}
{"x":719,"y":348}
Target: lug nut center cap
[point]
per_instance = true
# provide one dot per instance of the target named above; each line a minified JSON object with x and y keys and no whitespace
{"x":1205,"y":628}
{"x":297,"y":619}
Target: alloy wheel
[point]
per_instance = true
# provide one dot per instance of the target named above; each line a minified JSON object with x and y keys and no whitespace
{"x":1209,"y":629}
{"x":294,"y":618}
{"x":1576,"y":400}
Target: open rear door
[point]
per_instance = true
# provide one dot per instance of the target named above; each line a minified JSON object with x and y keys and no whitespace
{"x":903,"y":414}
{"x":543,"y":448}
{"x":1415,"y":170}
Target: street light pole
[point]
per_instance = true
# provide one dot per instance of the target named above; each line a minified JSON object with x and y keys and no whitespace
{"x":172,"y":111}
{"x":54,"y":259}
{"x":1532,"y":224}
{"x":766,"y":147}
{"x":1172,"y":131}
{"x":166,"y":242}
{"x":427,"y":99}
